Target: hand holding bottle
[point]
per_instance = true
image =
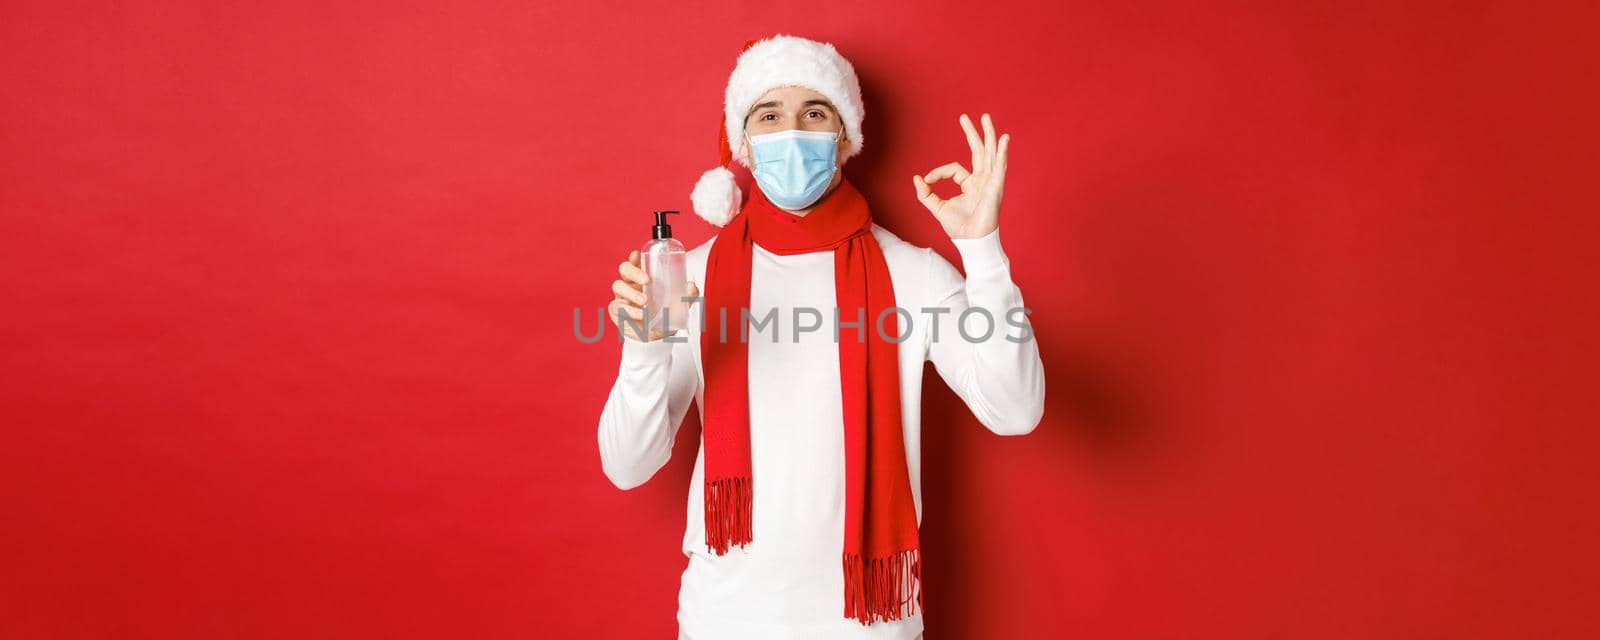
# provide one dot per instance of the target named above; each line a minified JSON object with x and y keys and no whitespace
{"x":630,"y":300}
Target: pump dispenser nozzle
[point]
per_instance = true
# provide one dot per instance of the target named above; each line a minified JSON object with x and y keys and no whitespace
{"x":662,"y":229}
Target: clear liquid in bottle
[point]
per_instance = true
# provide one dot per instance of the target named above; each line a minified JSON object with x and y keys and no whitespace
{"x":662,"y":258}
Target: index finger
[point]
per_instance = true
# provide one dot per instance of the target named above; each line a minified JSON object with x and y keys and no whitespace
{"x":952,"y":170}
{"x":631,"y":272}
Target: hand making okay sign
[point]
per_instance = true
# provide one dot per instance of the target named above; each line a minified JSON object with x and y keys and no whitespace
{"x":976,"y":212}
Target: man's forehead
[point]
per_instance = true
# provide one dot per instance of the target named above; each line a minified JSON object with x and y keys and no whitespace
{"x":792,"y":91}
{"x":810,"y":98}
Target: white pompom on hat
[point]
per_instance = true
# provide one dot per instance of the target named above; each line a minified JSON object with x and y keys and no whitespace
{"x":767,"y":63}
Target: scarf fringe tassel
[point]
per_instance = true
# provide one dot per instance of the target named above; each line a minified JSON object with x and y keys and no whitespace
{"x":727,"y":513}
{"x":878,"y":588}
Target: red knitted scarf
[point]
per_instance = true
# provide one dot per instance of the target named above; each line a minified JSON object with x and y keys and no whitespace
{"x":881,"y":563}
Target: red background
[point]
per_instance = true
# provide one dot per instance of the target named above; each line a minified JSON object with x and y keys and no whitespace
{"x":288,"y":313}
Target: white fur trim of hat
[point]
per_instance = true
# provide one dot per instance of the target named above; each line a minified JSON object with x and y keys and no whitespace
{"x":767,"y":63}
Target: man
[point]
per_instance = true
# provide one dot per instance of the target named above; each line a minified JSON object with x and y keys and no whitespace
{"x":805,"y":500}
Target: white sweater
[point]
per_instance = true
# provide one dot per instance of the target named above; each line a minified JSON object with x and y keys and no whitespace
{"x":788,"y":583}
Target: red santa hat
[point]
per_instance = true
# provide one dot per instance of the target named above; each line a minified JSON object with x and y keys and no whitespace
{"x":767,"y":63}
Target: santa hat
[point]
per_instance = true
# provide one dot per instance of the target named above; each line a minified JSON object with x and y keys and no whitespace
{"x":766,"y":63}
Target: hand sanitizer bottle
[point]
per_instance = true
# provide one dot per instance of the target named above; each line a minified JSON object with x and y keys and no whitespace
{"x":662,"y":260}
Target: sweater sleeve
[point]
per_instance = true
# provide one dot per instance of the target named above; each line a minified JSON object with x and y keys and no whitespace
{"x":999,"y":375}
{"x":655,"y":383}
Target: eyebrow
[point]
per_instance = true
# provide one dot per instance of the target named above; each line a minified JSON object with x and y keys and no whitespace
{"x":779,"y":103}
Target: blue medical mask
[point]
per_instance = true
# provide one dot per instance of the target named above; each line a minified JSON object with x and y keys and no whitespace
{"x":794,"y":167}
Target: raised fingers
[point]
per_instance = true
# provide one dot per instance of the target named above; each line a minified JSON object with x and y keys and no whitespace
{"x":1000,"y":156}
{"x":989,"y":140}
{"x":979,"y":159}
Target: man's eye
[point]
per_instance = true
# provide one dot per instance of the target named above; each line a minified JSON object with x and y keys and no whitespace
{"x":818,"y":113}
{"x":767,"y":116}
